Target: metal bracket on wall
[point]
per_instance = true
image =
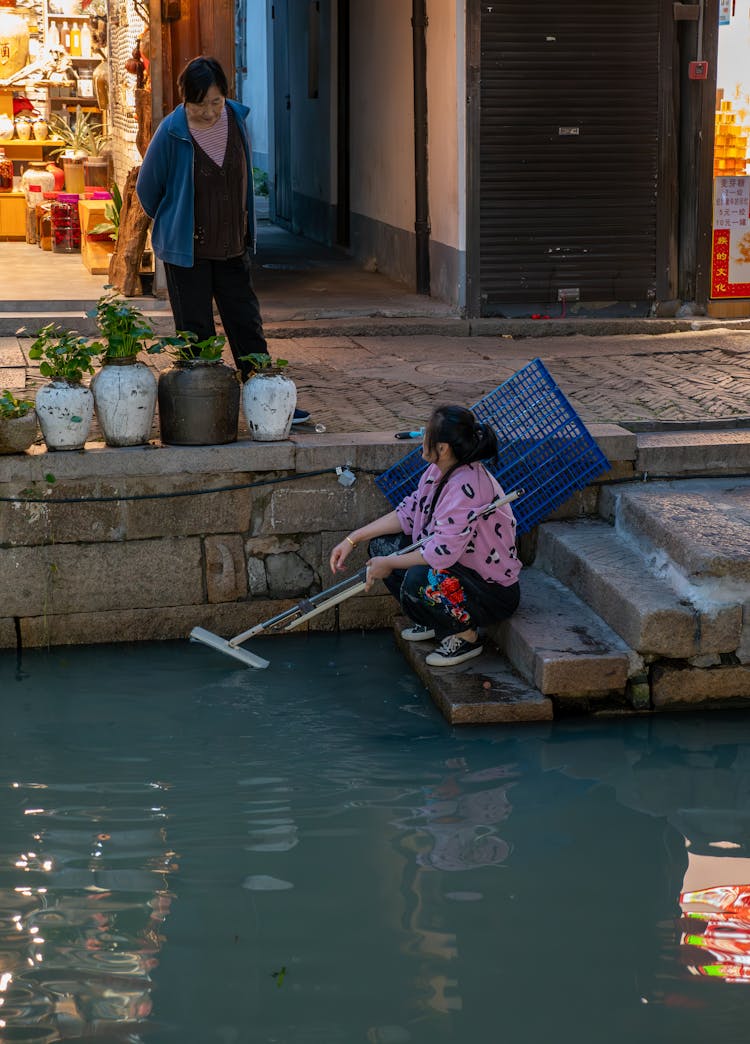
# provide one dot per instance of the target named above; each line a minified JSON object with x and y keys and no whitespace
{"x":686,"y":12}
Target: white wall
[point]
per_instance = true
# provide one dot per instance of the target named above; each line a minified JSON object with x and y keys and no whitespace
{"x":445,"y":68}
{"x":254,"y":85}
{"x":382,"y":124}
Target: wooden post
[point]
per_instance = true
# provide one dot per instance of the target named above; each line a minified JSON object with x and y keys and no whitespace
{"x":124,"y":268}
{"x":143,"y":119}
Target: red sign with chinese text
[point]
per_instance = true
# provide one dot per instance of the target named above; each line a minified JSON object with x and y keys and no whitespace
{"x":720,"y":255}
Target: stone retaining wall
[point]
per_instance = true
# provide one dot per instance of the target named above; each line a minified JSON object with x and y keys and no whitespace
{"x":84,"y":560}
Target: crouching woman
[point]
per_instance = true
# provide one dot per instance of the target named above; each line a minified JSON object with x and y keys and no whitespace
{"x":465,"y":575}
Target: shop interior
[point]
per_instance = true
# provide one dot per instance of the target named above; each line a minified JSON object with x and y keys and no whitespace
{"x":66,"y":141}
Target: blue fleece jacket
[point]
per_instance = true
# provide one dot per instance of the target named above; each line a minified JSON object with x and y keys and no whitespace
{"x":166,"y":190}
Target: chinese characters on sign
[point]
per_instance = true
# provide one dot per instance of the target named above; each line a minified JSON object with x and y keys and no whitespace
{"x":730,"y":259}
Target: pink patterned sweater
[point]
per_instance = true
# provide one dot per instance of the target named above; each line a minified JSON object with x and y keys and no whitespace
{"x":486,"y":545}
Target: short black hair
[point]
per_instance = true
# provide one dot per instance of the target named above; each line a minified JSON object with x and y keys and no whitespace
{"x":198,"y":75}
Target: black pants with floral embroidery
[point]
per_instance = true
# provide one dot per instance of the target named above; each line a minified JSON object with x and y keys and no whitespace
{"x":447,"y":600}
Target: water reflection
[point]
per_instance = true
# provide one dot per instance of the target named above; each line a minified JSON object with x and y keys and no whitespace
{"x":696,"y":776}
{"x":716,"y":939}
{"x":83,"y":899}
{"x":352,"y":869}
{"x":456,"y":827}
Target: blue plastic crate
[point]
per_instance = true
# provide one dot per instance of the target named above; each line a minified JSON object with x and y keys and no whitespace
{"x":543,"y":447}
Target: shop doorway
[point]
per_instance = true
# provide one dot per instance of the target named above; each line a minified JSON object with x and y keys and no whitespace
{"x":567,"y":140}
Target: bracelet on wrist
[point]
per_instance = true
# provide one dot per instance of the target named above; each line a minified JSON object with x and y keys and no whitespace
{"x":352,"y":542}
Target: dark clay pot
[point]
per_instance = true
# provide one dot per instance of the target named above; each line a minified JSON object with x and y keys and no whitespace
{"x":199,"y":404}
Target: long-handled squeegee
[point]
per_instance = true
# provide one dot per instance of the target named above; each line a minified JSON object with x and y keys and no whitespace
{"x":314,"y":605}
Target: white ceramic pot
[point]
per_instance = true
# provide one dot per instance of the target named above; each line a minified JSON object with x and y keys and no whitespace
{"x":65,"y":413}
{"x":125,"y":401}
{"x":268,"y":401}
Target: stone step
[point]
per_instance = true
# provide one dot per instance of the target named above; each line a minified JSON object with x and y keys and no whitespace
{"x":481,"y":691}
{"x":618,"y":583}
{"x":686,"y":454}
{"x":72,"y":319}
{"x":559,"y":645}
{"x":702,"y":525}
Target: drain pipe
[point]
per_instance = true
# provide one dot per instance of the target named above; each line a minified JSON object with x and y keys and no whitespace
{"x":421,"y":189}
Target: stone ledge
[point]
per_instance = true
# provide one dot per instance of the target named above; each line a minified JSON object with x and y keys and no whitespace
{"x":482,"y":691}
{"x":690,"y":453}
{"x":682,"y":687}
{"x":99,"y":461}
{"x":559,"y":645}
{"x":615,"y":442}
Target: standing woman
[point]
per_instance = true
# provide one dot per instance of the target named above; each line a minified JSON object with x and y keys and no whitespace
{"x":196,"y":184}
{"x":465,"y":575}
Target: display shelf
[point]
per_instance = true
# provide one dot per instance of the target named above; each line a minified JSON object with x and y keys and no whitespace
{"x":16,"y":143}
{"x":23,"y":151}
{"x":76,"y":99}
{"x":66,"y":18}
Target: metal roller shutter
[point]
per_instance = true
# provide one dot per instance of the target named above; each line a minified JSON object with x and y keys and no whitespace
{"x":568,"y":150}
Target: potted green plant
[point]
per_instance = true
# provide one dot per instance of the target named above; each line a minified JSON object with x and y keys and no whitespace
{"x":18,"y":423}
{"x":109,"y":229}
{"x":83,"y":152}
{"x":199,"y":396}
{"x":64,"y":406}
{"x":268,"y":398}
{"x":124,"y":388}
{"x":84,"y":137}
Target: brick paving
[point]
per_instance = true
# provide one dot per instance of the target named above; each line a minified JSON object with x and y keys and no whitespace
{"x":373,"y":385}
{"x":369,"y":383}
{"x":337,"y":326}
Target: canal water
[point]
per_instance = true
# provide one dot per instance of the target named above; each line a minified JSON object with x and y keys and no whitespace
{"x":196,"y":853}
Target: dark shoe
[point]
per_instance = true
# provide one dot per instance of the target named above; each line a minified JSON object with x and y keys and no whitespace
{"x":300,"y":416}
{"x":417,"y":633}
{"x":453,"y":650}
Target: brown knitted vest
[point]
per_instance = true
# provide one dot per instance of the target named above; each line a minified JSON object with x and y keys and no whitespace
{"x":220,"y":200}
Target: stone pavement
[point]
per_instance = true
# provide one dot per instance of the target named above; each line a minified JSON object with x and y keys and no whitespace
{"x":373,"y":383}
{"x":367,"y":355}
{"x":356,"y":383}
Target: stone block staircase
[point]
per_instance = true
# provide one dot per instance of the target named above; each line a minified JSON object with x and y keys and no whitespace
{"x":641,"y":607}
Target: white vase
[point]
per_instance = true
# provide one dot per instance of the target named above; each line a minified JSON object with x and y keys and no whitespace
{"x":65,"y":413}
{"x":125,"y":401}
{"x":268,"y":401}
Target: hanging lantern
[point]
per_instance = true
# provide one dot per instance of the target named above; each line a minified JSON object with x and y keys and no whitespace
{"x":14,"y":40}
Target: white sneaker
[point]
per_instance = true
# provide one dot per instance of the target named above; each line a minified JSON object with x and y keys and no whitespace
{"x":453,"y":650}
{"x":417,"y":633}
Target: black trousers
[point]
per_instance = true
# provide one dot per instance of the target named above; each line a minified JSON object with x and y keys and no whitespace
{"x":449,"y":601}
{"x":192,"y":292}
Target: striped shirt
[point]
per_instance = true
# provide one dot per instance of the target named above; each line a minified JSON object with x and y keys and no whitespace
{"x":213,"y":140}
